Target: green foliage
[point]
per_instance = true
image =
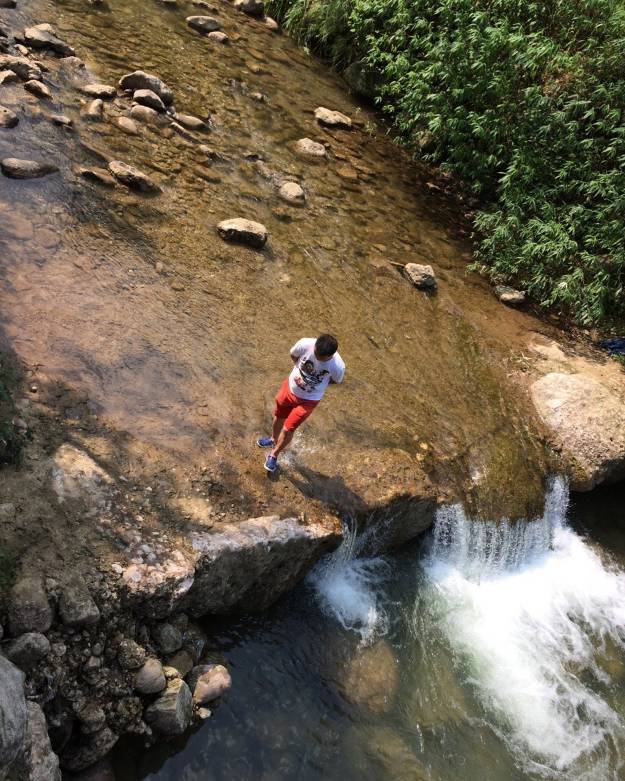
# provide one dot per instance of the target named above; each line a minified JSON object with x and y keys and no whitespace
{"x":522,"y":100}
{"x":10,"y":442}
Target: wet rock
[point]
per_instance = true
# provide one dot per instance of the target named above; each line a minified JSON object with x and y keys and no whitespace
{"x":98,"y":175}
{"x":371,"y":678}
{"x":43,"y":37}
{"x":172,"y":712}
{"x":142,"y":80}
{"x":38,"y":89}
{"x":250,"y":7}
{"x":27,"y":650}
{"x":127,"y":125}
{"x":130,"y":655}
{"x":29,"y":609}
{"x":91,"y":718}
{"x":208,"y":682}
{"x":40,"y":762}
{"x":150,"y":679}
{"x":195,"y":642}
{"x":8,"y":119}
{"x":190,"y":122}
{"x":61,"y":120}
{"x":82,"y":753}
{"x":167,"y":637}
{"x":585,"y":420}
{"x":203,"y":24}
{"x":132,"y":177}
{"x":76,"y":606}
{"x":13,"y":715}
{"x":386,"y":754}
{"x":103,"y":91}
{"x":146,"y":97}
{"x":25,"y":69}
{"x":182,"y":661}
{"x":328,"y":118}
{"x":243,"y":231}
{"x":311,"y":149}
{"x":95,"y":109}
{"x":145,"y":114}
{"x":510,"y":296}
{"x":26,"y":169}
{"x":218,"y":36}
{"x":7,"y":77}
{"x":421,"y":276}
{"x":292,"y":193}
{"x":271,"y":24}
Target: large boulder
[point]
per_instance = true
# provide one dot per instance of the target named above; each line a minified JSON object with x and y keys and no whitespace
{"x":142,"y":80}
{"x":29,"y":609}
{"x":586,"y":422}
{"x":13,"y":715}
{"x":76,"y":606}
{"x":172,"y":712}
{"x":40,"y":762}
{"x":243,"y":231}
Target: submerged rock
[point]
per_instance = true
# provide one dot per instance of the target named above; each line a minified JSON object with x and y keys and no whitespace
{"x":85,"y":751}
{"x":29,"y":609}
{"x":146,"y":97}
{"x":13,"y":715}
{"x":203,"y":24}
{"x":311,"y":149}
{"x":243,"y":231}
{"x":8,"y":3}
{"x":42,"y":36}
{"x":38,"y":89}
{"x":510,"y":296}
{"x":421,"y":276}
{"x":142,"y":80}
{"x":171,"y":713}
{"x":8,"y":118}
{"x":132,"y":177}
{"x":328,"y":118}
{"x":104,"y":91}
{"x":97,"y":175}
{"x":371,"y":678}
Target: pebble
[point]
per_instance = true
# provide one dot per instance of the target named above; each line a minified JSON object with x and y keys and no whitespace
{"x":8,"y":118}
{"x":271,"y":24}
{"x":144,"y":114}
{"x":46,"y":238}
{"x":311,"y":149}
{"x":61,"y":120}
{"x":38,"y":89}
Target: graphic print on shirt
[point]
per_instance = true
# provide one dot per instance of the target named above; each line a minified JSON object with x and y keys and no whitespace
{"x":309,"y":378}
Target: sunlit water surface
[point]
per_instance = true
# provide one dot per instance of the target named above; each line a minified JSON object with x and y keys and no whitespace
{"x":506,"y":654}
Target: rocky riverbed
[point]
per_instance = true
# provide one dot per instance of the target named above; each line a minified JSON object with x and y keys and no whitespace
{"x":184,"y":194}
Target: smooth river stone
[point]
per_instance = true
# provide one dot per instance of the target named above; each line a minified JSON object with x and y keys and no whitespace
{"x":203,"y":24}
{"x":15,"y":168}
{"x":311,"y":149}
{"x":243,"y":231}
{"x":132,"y":177}
{"x":325,"y":116}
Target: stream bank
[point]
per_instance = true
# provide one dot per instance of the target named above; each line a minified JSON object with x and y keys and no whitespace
{"x":151,"y":347}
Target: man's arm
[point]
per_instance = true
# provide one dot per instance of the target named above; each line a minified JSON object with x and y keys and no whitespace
{"x":297,"y":350}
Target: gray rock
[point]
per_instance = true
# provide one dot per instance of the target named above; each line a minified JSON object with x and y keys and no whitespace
{"x":8,"y":118}
{"x":148,"y":98}
{"x":328,"y":118}
{"x":92,"y":718}
{"x":167,"y":637}
{"x":203,"y":24}
{"x":27,"y":650}
{"x":97,"y":175}
{"x":7,"y":77}
{"x":310,"y":149}
{"x":132,"y":177}
{"x":13,"y":715}
{"x":208,"y":682}
{"x":128,"y":125}
{"x":171,"y":713}
{"x":145,"y":114}
{"x":80,"y":754}
{"x":243,"y":231}
{"x":29,"y":609}
{"x":95,"y":109}
{"x":130,"y":655}
{"x":25,"y":69}
{"x":421,"y":276}
{"x":195,"y":641}
{"x":76,"y":606}
{"x":42,"y":37}
{"x":182,"y":661}
{"x":510,"y":296}
{"x":38,"y":89}
{"x":218,"y":36}
{"x":190,"y":122}
{"x":150,"y":679}
{"x":250,"y":7}
{"x":143,"y":80}
{"x":104,"y":91}
{"x":292,"y":193}
{"x":41,"y":763}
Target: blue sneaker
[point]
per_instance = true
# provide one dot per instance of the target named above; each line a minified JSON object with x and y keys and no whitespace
{"x":265,"y":442}
{"x":271,"y":463}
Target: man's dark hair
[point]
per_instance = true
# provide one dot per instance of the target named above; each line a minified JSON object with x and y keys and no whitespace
{"x":326,"y":345}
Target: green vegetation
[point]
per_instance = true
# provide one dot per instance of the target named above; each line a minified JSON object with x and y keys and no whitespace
{"x":10,"y":442}
{"x":524,"y":102}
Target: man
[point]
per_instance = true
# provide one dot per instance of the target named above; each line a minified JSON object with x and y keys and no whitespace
{"x":317,"y":364}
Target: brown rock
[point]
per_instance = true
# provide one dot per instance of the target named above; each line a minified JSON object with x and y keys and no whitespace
{"x":8,"y":118}
{"x":97,"y":175}
{"x":311,"y":149}
{"x":371,"y":678}
{"x":127,"y":125}
{"x":104,"y":91}
{"x":243,"y":231}
{"x":203,"y":24}
{"x":38,"y":89}
{"x":328,"y":118}
{"x":132,"y":177}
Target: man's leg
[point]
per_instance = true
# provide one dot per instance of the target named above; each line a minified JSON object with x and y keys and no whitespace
{"x":277,"y":428}
{"x":282,"y":441}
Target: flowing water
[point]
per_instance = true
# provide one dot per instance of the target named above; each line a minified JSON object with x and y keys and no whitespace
{"x":500,"y":648}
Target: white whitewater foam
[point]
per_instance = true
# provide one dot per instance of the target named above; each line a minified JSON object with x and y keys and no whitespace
{"x":527,"y":605}
{"x":349,"y":588}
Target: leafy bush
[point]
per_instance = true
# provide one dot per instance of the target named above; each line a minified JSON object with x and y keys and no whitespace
{"x":524,"y":101}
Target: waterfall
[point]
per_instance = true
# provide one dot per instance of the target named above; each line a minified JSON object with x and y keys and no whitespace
{"x":531,"y":608}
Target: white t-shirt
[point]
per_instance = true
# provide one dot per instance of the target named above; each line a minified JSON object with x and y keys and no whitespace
{"x":310,"y":376}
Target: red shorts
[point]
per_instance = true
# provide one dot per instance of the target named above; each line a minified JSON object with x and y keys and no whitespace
{"x":291,"y":408}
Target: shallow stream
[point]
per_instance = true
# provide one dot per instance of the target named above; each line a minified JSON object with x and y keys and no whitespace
{"x":487,"y":653}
